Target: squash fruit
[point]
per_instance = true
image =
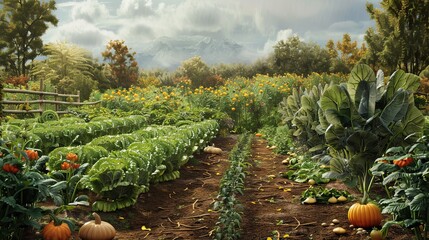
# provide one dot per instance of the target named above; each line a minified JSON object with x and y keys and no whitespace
{"x":97,"y":230}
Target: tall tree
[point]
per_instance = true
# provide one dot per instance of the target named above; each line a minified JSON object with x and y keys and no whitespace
{"x":123,"y":66}
{"x":68,"y":67}
{"x":295,"y":56}
{"x":403,"y":28}
{"x":63,"y":60}
{"x":330,"y":46}
{"x":23,"y":24}
{"x":348,"y":51}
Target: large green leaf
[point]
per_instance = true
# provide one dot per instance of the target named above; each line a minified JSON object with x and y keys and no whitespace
{"x":400,"y":79}
{"x":362,"y":72}
{"x":337,"y":106}
{"x":363,"y":142}
{"x":412,"y":124}
{"x":362,"y":98}
{"x":396,"y":109}
{"x":419,"y":202}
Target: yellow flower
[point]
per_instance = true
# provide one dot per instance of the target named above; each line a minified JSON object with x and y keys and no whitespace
{"x":233,"y":109}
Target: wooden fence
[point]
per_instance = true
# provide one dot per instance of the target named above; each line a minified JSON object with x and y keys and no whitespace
{"x":58,"y":101}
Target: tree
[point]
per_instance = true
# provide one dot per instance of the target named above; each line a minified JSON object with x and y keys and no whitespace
{"x":23,"y":24}
{"x":295,"y":56}
{"x":123,"y":66}
{"x":68,"y":67}
{"x":402,"y":27}
{"x":349,"y":52}
{"x":196,"y":70}
{"x":330,"y":46}
{"x":63,"y":60}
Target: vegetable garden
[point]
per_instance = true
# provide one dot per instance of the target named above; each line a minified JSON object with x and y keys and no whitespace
{"x":320,"y":157}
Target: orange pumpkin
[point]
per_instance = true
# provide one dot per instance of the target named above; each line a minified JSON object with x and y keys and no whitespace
{"x":71,"y":156}
{"x":403,"y":162}
{"x":56,"y":230}
{"x":365,"y":215}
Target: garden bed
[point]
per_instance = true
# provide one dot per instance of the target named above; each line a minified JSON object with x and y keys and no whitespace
{"x":183,"y":208}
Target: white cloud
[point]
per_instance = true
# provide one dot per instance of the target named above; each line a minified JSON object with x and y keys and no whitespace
{"x":281,"y":35}
{"x":82,"y":33}
{"x":135,"y":8}
{"x":256,"y":25}
{"x":89,"y":10}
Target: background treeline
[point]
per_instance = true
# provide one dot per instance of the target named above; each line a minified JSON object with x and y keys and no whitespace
{"x":400,"y":39}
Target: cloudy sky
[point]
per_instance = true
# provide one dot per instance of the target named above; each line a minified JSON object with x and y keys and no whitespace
{"x":254,"y":25}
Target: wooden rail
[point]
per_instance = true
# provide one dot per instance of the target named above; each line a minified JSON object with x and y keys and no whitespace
{"x":41,"y":101}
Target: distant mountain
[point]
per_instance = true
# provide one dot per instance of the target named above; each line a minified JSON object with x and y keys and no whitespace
{"x":166,"y":52}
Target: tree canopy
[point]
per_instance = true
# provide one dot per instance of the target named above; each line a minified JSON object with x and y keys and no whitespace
{"x":402,"y":34}
{"x":122,"y":64}
{"x":296,"y":56}
{"x":23,"y":22}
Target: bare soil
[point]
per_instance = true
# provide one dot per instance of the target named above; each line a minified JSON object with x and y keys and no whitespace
{"x":183,"y":209}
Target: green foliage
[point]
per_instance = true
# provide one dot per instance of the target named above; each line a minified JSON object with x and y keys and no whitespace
{"x":87,"y":154}
{"x":402,"y":33}
{"x":21,"y":190}
{"x":302,"y":112}
{"x":408,"y":203}
{"x":195,"y":70}
{"x":64,"y":60}
{"x":24,"y":24}
{"x":82,"y":133}
{"x":156,"y":154}
{"x":322,"y":194}
{"x":303,"y":168}
{"x":295,"y":56}
{"x":366,"y":118}
{"x":282,"y":140}
{"x":48,"y":115}
{"x":232,"y":183}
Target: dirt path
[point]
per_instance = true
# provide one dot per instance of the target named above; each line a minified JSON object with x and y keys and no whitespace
{"x":182,"y":209}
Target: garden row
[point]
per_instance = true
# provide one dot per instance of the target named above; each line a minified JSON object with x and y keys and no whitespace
{"x":369,"y":132}
{"x":117,"y":168}
{"x":228,"y":225}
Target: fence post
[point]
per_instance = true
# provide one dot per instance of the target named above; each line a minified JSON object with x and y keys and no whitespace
{"x":41,"y":95}
{"x":78,"y":96}
{"x":56,"y":98}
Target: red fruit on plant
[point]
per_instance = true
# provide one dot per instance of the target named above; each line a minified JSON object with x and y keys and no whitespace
{"x":32,"y":154}
{"x":7,"y":167}
{"x":71,"y":156}
{"x":403,"y":162}
{"x":65,"y":165}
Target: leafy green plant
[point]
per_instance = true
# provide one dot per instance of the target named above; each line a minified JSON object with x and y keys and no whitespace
{"x":322,"y":194}
{"x":365,"y":118}
{"x":408,"y":203}
{"x":232,"y":183}
{"x":282,"y":139}
{"x":48,"y":115}
{"x":302,"y":169}
{"x":69,"y":177}
{"x":22,"y":185}
{"x":121,"y":176}
{"x":301,"y":111}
